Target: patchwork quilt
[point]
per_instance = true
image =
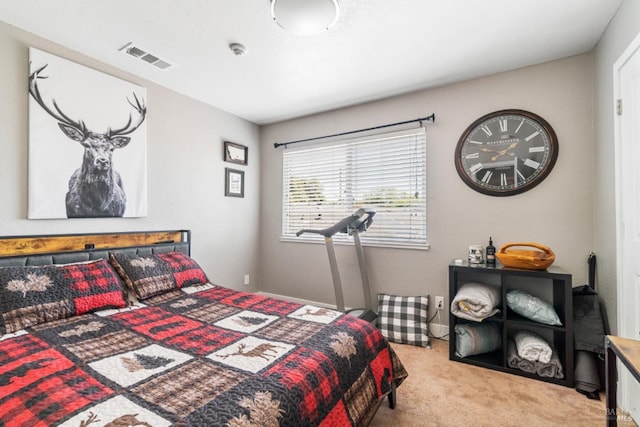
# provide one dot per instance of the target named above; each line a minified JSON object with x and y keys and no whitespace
{"x":198,"y":356}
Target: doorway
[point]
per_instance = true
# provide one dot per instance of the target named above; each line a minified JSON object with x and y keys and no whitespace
{"x":626,"y":76}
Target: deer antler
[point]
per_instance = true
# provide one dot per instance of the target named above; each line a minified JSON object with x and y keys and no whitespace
{"x":128,"y":128}
{"x":58,"y":114}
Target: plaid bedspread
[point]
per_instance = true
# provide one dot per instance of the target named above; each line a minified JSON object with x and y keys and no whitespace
{"x":201,"y":356}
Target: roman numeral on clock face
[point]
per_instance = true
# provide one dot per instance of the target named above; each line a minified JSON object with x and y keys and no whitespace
{"x":531,"y":163}
{"x":519,"y":126}
{"x":533,"y":135}
{"x":475,"y":168}
{"x":486,"y":130}
{"x":503,"y":125}
{"x":487,"y":176}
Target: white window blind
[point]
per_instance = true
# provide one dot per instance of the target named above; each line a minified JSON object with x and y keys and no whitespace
{"x":384,"y":172}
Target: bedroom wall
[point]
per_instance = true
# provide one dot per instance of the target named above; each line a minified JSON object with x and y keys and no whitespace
{"x":557,"y":213}
{"x":621,"y":31}
{"x":185,"y":168}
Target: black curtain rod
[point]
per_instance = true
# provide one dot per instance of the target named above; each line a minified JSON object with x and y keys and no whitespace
{"x":431,"y":118}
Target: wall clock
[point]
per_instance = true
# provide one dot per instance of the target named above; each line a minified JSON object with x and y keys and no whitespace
{"x":506,"y":152}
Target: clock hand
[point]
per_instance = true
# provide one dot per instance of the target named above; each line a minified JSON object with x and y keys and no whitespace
{"x":504,"y":152}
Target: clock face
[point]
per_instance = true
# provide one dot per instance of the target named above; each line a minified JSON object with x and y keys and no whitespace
{"x":506,"y":152}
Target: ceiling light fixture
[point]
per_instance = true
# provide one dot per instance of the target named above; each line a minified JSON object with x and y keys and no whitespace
{"x":305,"y":17}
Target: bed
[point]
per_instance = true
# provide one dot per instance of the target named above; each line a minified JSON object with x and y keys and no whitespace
{"x":125,"y":329}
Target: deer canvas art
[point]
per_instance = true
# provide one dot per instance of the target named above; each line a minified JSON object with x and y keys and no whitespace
{"x":78,"y":127}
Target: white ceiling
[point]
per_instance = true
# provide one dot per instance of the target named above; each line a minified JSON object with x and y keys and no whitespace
{"x":377,"y":48}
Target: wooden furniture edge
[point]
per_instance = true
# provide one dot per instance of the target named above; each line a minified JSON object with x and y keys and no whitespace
{"x":33,"y":245}
{"x":628,"y":352}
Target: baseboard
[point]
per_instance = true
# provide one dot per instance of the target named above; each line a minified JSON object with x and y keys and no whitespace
{"x":435,"y":329}
{"x":298,"y":300}
{"x":439,"y":331}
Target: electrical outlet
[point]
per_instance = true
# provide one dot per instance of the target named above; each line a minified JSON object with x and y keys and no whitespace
{"x":439,"y":303}
{"x":246,"y":280}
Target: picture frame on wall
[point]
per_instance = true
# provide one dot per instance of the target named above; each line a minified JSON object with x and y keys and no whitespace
{"x":236,"y":153}
{"x":87,"y":159}
{"x":234,"y":183}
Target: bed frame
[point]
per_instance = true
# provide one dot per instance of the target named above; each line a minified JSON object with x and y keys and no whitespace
{"x":68,"y":248}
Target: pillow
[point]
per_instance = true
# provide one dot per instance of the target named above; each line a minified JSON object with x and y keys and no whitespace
{"x":477,"y":339}
{"x":151,"y":275}
{"x":404,"y":319}
{"x":533,"y":308}
{"x":32,"y":295}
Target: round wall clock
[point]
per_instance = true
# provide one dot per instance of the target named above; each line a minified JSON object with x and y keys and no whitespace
{"x":506,"y":152}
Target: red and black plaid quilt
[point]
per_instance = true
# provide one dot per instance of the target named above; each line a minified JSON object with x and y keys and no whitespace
{"x":204,"y":356}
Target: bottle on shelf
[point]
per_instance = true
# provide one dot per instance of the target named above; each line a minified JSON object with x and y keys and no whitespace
{"x":490,"y":254}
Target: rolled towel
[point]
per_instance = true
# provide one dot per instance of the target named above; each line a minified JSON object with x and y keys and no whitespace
{"x":532,"y":346}
{"x":517,"y":362}
{"x":476,"y":301}
{"x":553,"y":369}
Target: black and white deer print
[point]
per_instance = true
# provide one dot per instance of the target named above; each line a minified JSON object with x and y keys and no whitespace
{"x":95,"y":188}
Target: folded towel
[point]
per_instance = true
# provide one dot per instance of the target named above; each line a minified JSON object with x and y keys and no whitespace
{"x":517,"y":362}
{"x":553,"y":369}
{"x":476,"y":301}
{"x":532,"y":346}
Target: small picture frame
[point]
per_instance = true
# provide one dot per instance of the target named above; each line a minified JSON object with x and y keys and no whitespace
{"x":234,"y":183}
{"x":236,"y":153}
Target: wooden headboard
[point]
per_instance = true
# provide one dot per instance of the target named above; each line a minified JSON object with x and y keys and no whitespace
{"x":65,"y":248}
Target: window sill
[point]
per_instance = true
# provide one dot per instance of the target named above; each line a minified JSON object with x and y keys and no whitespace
{"x":342,"y":242}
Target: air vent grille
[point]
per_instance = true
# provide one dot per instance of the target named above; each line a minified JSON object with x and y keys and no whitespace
{"x":144,"y":55}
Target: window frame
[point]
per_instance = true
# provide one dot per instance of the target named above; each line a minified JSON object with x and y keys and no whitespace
{"x":287,"y":233}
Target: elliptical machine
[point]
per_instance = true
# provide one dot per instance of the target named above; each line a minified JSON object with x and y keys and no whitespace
{"x":352,"y":225}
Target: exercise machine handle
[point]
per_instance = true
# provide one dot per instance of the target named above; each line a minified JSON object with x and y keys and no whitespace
{"x":354,"y":221}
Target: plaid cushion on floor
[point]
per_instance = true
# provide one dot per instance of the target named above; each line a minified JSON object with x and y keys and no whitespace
{"x":403,"y":319}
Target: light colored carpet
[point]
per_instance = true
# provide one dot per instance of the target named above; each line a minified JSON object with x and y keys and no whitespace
{"x":440,"y":392}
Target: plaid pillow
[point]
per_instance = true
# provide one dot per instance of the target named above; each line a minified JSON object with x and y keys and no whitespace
{"x":32,"y":295}
{"x":151,"y":275}
{"x":404,"y":319}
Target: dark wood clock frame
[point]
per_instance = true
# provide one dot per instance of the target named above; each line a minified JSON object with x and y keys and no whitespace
{"x":498,"y":121}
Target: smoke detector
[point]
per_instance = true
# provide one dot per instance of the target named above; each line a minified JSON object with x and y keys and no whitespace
{"x":238,"y":49}
{"x":143,"y":54}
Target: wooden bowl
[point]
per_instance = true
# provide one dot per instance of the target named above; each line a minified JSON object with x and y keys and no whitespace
{"x":527,"y":259}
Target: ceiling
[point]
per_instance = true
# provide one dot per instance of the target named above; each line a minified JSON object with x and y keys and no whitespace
{"x":376,"y":49}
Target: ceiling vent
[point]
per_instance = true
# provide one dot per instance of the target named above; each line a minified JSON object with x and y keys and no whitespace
{"x":144,"y":55}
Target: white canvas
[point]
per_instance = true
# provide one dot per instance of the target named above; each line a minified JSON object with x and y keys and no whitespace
{"x":101,"y":102}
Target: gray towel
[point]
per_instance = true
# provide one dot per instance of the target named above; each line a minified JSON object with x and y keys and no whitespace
{"x":517,"y":362}
{"x":553,"y":369}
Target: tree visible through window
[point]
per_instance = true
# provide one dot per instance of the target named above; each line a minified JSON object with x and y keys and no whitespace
{"x":386,"y":172}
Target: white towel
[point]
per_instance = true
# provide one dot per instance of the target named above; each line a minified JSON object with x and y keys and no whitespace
{"x":532,"y":346}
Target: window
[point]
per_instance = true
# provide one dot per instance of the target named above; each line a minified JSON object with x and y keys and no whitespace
{"x":386,"y":172}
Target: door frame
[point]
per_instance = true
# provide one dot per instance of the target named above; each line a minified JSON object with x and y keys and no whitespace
{"x":622,"y":290}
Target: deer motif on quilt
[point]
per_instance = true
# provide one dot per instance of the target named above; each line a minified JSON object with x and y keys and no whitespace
{"x":261,"y":350}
